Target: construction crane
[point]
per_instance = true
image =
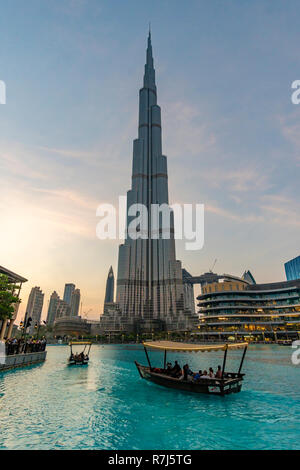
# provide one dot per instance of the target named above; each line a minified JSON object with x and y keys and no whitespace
{"x":211,"y":270}
{"x":85,"y":314}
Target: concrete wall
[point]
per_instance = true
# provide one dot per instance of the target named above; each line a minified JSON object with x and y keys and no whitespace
{"x":19,"y":360}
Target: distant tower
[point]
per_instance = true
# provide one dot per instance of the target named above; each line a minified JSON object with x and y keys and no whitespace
{"x":69,"y":289}
{"x":52,"y":308}
{"x":34,"y":307}
{"x":75,"y":302}
{"x":110,"y":287}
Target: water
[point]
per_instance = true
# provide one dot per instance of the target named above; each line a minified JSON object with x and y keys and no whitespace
{"x":108,"y":406}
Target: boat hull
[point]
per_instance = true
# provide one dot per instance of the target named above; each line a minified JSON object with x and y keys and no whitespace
{"x":208,"y":386}
{"x":77,"y":363}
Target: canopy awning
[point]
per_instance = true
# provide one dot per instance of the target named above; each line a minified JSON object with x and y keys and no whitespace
{"x":176,"y":346}
{"x":80,"y":343}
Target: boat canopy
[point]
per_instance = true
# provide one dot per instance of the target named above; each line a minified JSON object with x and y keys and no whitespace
{"x":176,"y":346}
{"x":80,"y":343}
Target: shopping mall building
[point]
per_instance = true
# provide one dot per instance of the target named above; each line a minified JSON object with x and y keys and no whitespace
{"x":241,"y":309}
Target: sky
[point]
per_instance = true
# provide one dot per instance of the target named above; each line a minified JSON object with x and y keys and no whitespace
{"x":73,"y":69}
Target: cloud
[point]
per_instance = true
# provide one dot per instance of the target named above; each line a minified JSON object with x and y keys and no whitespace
{"x":231,"y":215}
{"x":190,"y":134}
{"x":280,"y":209}
{"x":290,"y":130}
{"x":242,"y":179}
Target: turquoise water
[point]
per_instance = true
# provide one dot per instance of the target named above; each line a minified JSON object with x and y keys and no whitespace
{"x":108,"y":406}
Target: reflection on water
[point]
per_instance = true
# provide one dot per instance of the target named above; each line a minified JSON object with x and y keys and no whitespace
{"x":107,"y":406}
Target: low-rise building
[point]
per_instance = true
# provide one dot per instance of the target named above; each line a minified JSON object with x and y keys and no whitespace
{"x":6,"y":326}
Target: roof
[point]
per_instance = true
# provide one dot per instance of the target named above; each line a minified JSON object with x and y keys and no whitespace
{"x":79,"y":343}
{"x":176,"y":346}
{"x":13,"y":276}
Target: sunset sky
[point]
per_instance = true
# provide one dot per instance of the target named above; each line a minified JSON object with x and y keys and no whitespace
{"x":73,"y":69}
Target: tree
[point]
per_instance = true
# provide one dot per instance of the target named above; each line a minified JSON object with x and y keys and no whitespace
{"x":7,"y":299}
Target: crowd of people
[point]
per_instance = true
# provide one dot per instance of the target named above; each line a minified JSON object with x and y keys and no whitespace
{"x":24,"y":346}
{"x":187,"y":374}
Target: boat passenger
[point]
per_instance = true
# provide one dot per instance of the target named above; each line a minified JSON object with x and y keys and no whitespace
{"x":169,"y":368}
{"x":211,"y":373}
{"x":219,"y":373}
{"x":176,"y":371}
{"x":205,"y":375}
{"x":197,"y":376}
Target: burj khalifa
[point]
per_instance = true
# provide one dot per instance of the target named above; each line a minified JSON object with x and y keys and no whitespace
{"x":150,"y":290}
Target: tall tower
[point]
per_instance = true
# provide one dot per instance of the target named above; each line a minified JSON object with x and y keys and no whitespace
{"x":149,"y":285}
{"x":69,"y":289}
{"x":75,"y":302}
{"x":34,"y":307}
{"x":52,"y":308}
{"x":110,"y":286}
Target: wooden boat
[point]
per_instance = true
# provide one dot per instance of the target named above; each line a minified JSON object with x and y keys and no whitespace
{"x":230,"y":382}
{"x":81,"y":359}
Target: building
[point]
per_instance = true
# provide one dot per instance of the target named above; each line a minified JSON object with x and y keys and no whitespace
{"x":62,"y":309}
{"x":6,"y":326}
{"x":109,"y":292}
{"x":188,"y":292}
{"x":110,"y":287}
{"x":75,"y":303}
{"x":150,"y":291}
{"x":71,"y":326}
{"x":34,"y":308}
{"x":292,"y":269}
{"x":69,"y":289}
{"x":52,"y":308}
{"x":255,"y":311}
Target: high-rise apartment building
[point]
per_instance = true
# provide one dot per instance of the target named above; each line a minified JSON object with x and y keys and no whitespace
{"x":34,"y":308}
{"x":69,"y":289}
{"x":75,"y":303}
{"x":52,"y":308}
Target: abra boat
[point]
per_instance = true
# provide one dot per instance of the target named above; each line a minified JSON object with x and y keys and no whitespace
{"x":81,"y":359}
{"x":230,"y":382}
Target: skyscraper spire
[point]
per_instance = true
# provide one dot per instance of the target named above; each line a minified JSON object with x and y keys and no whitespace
{"x":149,"y":77}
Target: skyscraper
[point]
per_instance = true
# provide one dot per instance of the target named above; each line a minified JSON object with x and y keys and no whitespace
{"x":292,"y":269}
{"x":75,"y":302}
{"x":52,"y":308}
{"x":150,"y":291}
{"x":69,"y":289}
{"x":34,"y":307}
{"x":110,"y":286}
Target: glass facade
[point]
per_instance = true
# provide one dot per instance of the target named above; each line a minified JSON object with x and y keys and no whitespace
{"x":270,"y":309}
{"x":150,"y":292}
{"x":292,"y":269}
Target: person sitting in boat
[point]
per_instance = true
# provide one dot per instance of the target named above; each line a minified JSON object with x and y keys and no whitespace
{"x":185,"y":371}
{"x":219,"y":373}
{"x":169,"y":368}
{"x":205,"y":375}
{"x":176,"y":371}
{"x":197,"y":376}
{"x":211,"y":373}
